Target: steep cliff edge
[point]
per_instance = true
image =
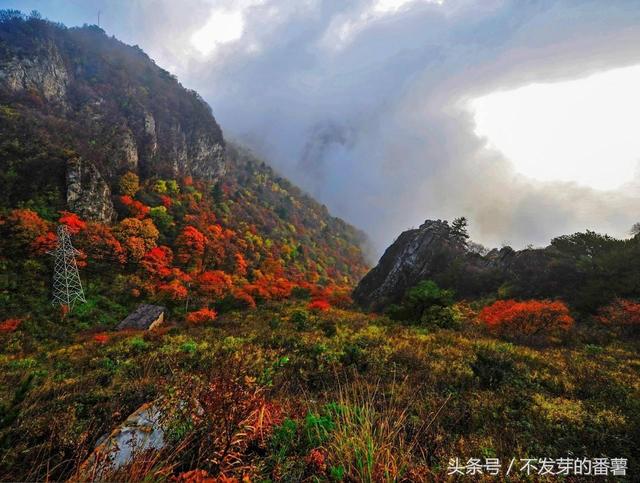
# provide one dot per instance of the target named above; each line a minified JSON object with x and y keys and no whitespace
{"x":95,"y":108}
{"x":436,"y":251}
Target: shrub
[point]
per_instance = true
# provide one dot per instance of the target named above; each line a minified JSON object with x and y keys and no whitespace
{"x":138,"y":344}
{"x":300,"y":319}
{"x":527,"y":320}
{"x":492,"y":367}
{"x":201,"y":316}
{"x":319,"y":305}
{"x":9,"y":325}
{"x":328,"y":327}
{"x":101,"y":338}
{"x":426,"y":304}
{"x":129,"y":184}
{"x":623,"y":316}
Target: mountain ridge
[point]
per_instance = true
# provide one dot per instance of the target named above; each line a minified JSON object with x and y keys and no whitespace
{"x":118,"y":110}
{"x":93,"y":127}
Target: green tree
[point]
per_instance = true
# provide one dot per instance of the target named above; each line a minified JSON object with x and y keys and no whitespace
{"x":129,"y":184}
{"x":459,"y":229}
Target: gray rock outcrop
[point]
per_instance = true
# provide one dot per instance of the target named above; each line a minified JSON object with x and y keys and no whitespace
{"x":87,"y":193}
{"x":434,"y":251}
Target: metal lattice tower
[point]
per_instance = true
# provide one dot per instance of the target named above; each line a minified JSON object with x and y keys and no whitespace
{"x":67,"y":287}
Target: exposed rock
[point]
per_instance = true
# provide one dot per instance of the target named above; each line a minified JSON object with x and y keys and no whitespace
{"x":145,"y":317}
{"x":141,"y":431}
{"x":415,"y":255}
{"x":106,"y":102}
{"x":434,"y":252}
{"x":87,"y":192}
{"x":151,"y":137}
{"x":128,"y":152}
{"x":44,"y":73}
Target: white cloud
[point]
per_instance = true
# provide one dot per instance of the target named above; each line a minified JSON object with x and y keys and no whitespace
{"x":222,"y":27}
{"x":387,"y":6}
{"x":584,"y":130}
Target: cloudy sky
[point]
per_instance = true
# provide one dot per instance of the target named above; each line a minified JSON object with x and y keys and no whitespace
{"x":522,"y":115}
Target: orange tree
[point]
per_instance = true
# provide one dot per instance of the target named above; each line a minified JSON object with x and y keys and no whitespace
{"x":527,"y":320}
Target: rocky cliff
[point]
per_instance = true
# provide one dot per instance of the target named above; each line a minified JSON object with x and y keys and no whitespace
{"x":435,"y":251}
{"x":112,"y":110}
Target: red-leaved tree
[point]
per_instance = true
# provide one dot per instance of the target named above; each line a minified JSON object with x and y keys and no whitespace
{"x":621,"y":315}
{"x":527,"y":320}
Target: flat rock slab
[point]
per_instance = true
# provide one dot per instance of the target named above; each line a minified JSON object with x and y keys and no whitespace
{"x":140,"y":432}
{"x":145,"y":317}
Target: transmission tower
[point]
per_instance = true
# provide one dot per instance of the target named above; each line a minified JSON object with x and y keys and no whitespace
{"x":67,"y":288}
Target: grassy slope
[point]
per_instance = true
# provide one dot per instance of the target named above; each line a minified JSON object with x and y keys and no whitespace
{"x":413,"y":399}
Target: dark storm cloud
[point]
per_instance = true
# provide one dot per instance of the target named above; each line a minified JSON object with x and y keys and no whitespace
{"x":367,"y":111}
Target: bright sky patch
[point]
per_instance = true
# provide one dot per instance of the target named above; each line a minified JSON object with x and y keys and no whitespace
{"x":584,"y":130}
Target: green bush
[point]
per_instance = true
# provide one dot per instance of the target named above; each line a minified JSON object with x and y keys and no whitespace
{"x":300,"y":319}
{"x":428,"y":305}
{"x":492,"y":367}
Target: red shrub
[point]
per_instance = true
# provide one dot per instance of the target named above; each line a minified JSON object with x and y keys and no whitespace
{"x":9,"y":325}
{"x":101,"y":338}
{"x":320,"y":305}
{"x":173,"y":290}
{"x":166,"y":201}
{"x":157,"y":261}
{"x":136,"y":208}
{"x":244,"y":299}
{"x":316,"y":461}
{"x":527,"y":319}
{"x":214,"y":283}
{"x":201,"y":316}
{"x":44,"y":243}
{"x":73,"y":222}
{"x":621,"y":315}
{"x":26,"y":225}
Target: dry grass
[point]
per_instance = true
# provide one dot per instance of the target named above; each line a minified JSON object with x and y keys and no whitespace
{"x":373,"y":438}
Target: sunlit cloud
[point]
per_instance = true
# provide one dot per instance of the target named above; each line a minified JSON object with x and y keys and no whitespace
{"x":387,"y":6}
{"x":222,"y":27}
{"x":584,"y":130}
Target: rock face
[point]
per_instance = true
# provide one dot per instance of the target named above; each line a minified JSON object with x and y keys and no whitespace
{"x":433,"y":251}
{"x":415,"y":255}
{"x":106,"y":103}
{"x":87,"y":193}
{"x":44,"y":72}
{"x":145,"y":317}
{"x":141,"y":431}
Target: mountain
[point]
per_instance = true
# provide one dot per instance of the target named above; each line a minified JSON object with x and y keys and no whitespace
{"x":96,"y":108}
{"x":586,"y":269}
{"x":95,"y":135}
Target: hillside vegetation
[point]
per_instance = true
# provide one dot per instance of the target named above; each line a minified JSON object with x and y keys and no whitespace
{"x":265,"y":369}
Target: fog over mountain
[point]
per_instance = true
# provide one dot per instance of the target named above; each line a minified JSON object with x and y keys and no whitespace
{"x":365,"y":104}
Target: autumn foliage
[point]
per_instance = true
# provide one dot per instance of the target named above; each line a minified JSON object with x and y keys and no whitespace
{"x":201,"y":316}
{"x":184,"y":241}
{"x":528,"y":319}
{"x":622,"y":316}
{"x":9,"y":325}
{"x":101,"y":338}
{"x":74,"y":223}
{"x":320,"y":305}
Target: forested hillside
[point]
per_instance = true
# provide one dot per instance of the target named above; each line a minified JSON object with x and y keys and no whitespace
{"x":94,"y":135}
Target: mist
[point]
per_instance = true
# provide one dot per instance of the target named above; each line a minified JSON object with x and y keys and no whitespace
{"x":367,"y":108}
